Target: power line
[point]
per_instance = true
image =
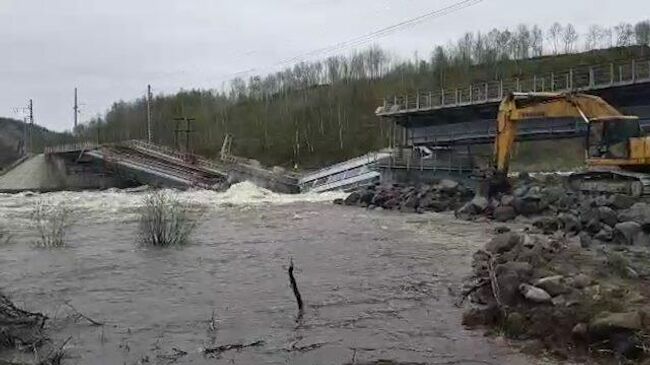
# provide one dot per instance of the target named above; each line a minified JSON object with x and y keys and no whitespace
{"x":366,"y":38}
{"x":383,"y":32}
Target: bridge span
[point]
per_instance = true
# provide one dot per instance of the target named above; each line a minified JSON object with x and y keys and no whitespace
{"x":134,"y":163}
{"x":467,"y":115}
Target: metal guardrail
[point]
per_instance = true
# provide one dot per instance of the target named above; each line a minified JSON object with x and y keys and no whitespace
{"x":71,"y":147}
{"x":582,"y":78}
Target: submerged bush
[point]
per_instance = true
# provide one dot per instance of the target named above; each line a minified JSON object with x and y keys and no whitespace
{"x":164,"y":221}
{"x":52,"y":223}
{"x":5,"y":236}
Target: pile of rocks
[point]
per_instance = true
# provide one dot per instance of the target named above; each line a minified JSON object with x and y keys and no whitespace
{"x":549,"y":291}
{"x":552,"y":207}
{"x":445,"y":195}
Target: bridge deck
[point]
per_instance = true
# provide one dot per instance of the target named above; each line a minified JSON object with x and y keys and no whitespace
{"x":583,"y":78}
{"x":162,"y":166}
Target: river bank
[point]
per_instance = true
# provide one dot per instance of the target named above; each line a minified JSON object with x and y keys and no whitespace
{"x":567,"y":273}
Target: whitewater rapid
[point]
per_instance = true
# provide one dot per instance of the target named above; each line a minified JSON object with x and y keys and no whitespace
{"x":122,"y":205}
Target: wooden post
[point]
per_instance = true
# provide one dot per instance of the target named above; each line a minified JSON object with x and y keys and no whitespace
{"x":417,"y":100}
{"x":406,"y":102}
{"x":501,"y":89}
{"x":486,"y":91}
{"x":456,"y":96}
{"x":518,"y":85}
{"x":543,"y":84}
{"x":442,"y":97}
{"x":471,"y":88}
{"x":592,"y":82}
{"x":534,"y":83}
{"x":611,"y":74}
{"x":430,"y":99}
{"x":633,"y":71}
{"x":571,"y":79}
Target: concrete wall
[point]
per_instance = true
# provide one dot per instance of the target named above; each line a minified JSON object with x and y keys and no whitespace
{"x":44,"y":174}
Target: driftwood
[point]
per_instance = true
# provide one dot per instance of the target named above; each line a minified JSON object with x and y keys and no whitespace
{"x":19,"y":327}
{"x":236,"y":346}
{"x":466,"y":293}
{"x":83,"y":316}
{"x":294,"y":287}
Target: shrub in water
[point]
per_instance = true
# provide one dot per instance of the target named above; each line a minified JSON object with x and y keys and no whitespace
{"x":164,"y":221}
{"x":52,"y":223}
{"x":5,"y":237}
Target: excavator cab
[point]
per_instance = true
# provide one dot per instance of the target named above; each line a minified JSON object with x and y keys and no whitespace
{"x":611,"y":138}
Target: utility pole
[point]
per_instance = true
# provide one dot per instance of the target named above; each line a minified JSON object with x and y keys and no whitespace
{"x":187,"y":132}
{"x":149,"y":113}
{"x":76,"y":110}
{"x":30,"y":107}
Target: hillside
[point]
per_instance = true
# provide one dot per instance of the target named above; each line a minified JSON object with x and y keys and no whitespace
{"x":11,"y":140}
{"x":316,"y":113}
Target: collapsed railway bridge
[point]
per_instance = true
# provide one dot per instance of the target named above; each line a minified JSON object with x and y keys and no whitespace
{"x":134,"y":163}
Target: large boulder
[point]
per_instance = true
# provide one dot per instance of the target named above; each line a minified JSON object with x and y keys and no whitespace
{"x":608,"y":216}
{"x":353,"y":199}
{"x":534,"y":294}
{"x":626,"y":233}
{"x":639,"y":212}
{"x":569,"y":222}
{"x":526,"y":206}
{"x":503,"y":242}
{"x":620,"y":202}
{"x":366,"y":197}
{"x":474,"y":207}
{"x":553,"y":194}
{"x":553,"y":285}
{"x":411,"y":201}
{"x":448,"y":186}
{"x":504,"y":213}
{"x":606,"y":234}
{"x":605,"y":323}
{"x":548,"y":225}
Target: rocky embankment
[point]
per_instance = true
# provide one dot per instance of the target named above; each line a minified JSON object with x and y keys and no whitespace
{"x":446,"y":195}
{"x":574,"y":281}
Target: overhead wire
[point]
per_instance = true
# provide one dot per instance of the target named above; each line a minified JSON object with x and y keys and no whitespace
{"x":363,"y":39}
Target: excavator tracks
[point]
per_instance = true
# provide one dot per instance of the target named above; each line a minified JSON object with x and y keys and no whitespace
{"x":611,"y":181}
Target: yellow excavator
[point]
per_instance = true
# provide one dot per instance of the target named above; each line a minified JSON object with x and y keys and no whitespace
{"x":617,"y":155}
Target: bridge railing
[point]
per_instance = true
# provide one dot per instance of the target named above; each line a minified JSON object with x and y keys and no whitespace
{"x":582,"y":78}
{"x":71,"y":147}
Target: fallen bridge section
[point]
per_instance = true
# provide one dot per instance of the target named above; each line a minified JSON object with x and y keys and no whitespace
{"x":132,"y":163}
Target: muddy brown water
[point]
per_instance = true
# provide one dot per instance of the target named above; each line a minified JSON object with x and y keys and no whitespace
{"x":375,"y":284}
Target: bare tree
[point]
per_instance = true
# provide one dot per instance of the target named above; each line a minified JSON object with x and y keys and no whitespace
{"x":642,"y":33}
{"x":593,"y":38}
{"x":569,"y":38}
{"x":554,"y":36}
{"x":607,"y":38}
{"x":537,"y":41}
{"x":623,"y":33}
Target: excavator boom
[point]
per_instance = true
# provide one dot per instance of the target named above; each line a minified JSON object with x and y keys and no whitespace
{"x":619,"y":161}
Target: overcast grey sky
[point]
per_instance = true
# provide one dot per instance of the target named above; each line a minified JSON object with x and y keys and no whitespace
{"x":111,"y":49}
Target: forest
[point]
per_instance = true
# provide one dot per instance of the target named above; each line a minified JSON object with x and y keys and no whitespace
{"x":318,"y":112}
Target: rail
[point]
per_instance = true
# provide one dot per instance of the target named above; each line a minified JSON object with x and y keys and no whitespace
{"x":581,"y":78}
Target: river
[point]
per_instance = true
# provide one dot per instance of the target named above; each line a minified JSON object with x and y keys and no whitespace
{"x":375,"y":283}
